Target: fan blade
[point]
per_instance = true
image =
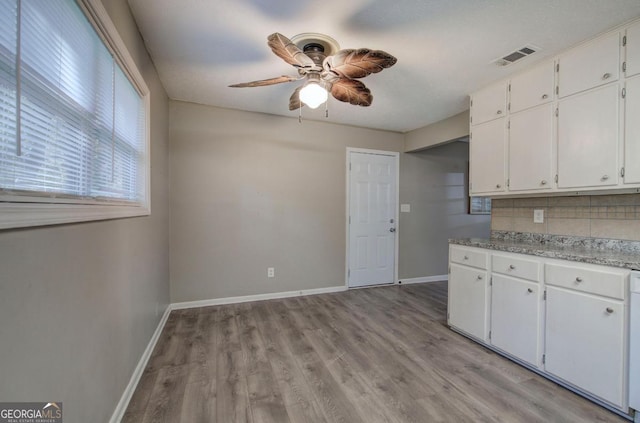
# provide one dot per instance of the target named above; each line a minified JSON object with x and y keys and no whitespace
{"x":359,"y":63}
{"x":288,"y":51}
{"x":294,"y":100}
{"x":351,"y":91}
{"x":263,"y":82}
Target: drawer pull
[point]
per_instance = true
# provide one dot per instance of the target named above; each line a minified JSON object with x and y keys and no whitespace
{"x":604,"y":177}
{"x":606,"y":76}
{"x":512,"y":267}
{"x":465,"y":258}
{"x":609,"y":310}
{"x":498,"y":186}
{"x":479,"y":278}
{"x":529,"y":290}
{"x":545,"y":96}
{"x":499,"y":112}
{"x":578,"y":279}
{"x":543,"y":182}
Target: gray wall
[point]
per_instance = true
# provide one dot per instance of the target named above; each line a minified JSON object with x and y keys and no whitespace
{"x":434,"y":183}
{"x":250,"y":191}
{"x":79,"y":302}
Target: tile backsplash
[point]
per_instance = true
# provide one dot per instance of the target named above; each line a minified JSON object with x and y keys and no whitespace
{"x":598,"y":216}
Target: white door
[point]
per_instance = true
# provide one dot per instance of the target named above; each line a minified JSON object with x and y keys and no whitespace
{"x":588,"y":139}
{"x":372,"y":218}
{"x":585,"y":342}
{"x":515,"y":306}
{"x":531,"y":149}
{"x":487,"y":151}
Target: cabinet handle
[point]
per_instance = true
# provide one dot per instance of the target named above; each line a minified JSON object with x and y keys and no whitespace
{"x":498,"y":185}
{"x":512,"y":267}
{"x":604,"y":177}
{"x":543,"y":182}
{"x":529,"y":290}
{"x":499,"y":112}
{"x":465,"y":258}
{"x":578,"y":279}
{"x":545,"y":96}
{"x":479,"y":277}
{"x":609,"y":310}
{"x":606,"y":76}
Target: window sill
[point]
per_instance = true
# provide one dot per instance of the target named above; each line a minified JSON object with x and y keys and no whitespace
{"x":22,"y":215}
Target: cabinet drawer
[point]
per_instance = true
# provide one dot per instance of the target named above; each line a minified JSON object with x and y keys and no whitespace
{"x":469,"y":256}
{"x":594,"y":280}
{"x":515,"y":266}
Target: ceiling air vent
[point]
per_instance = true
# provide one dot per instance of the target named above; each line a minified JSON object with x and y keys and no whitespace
{"x":516,"y":55}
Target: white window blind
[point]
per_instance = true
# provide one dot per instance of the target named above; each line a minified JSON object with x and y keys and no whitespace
{"x":72,"y":124}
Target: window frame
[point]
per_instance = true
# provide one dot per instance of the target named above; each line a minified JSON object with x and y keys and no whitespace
{"x":24,"y":210}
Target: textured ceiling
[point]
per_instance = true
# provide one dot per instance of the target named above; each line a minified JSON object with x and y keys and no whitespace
{"x":445,"y":48}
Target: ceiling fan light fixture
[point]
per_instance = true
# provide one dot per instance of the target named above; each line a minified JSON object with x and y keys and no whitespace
{"x":313,"y":94}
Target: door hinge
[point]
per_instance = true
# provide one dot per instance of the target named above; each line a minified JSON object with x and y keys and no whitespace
{"x":509,"y":87}
{"x":349,"y":273}
{"x":556,"y":178}
{"x":557,"y":67}
{"x":489,"y":334}
{"x":509,"y":105}
{"x":449,"y":269}
{"x":624,"y":66}
{"x":624,"y":93}
{"x":544,"y":295}
{"x":557,"y":89}
{"x":544,"y":358}
{"x":470,"y":120}
{"x":624,"y":41}
{"x":471,"y":105}
{"x":622,"y":172}
{"x":349,"y":165}
{"x":508,"y":182}
{"x":491,"y":281}
{"x":557,"y":111}
{"x":509,"y":125}
{"x":448,"y":316}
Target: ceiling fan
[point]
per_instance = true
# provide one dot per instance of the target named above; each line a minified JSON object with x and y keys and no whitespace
{"x":323,"y":71}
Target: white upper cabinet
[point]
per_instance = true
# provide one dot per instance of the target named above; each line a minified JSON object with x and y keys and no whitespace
{"x":590,"y":65}
{"x":632,"y":131}
{"x":588,"y":139}
{"x":633,"y":50}
{"x":531,"y":149}
{"x":487,"y":157}
{"x":489,"y":103}
{"x":533,"y":87}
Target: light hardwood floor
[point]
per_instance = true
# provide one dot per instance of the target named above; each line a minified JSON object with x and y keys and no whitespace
{"x":368,"y":355}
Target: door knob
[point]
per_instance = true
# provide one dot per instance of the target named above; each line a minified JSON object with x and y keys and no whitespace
{"x":392,"y":229}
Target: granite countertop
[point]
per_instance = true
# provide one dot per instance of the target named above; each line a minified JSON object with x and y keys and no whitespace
{"x":616,"y":253}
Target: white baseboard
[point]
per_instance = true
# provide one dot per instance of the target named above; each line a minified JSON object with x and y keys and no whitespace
{"x":257,"y":297}
{"x":425,"y":279}
{"x":121,"y":408}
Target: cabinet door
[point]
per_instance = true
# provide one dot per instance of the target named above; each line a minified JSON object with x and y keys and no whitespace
{"x":531,"y":149}
{"x":489,"y":103}
{"x":468,"y":300}
{"x":515,"y":313}
{"x":487,"y":157}
{"x":632,"y":131}
{"x":584,"y":342}
{"x":590,"y":65}
{"x":633,"y":50}
{"x":533,"y":87}
{"x":588,"y":139}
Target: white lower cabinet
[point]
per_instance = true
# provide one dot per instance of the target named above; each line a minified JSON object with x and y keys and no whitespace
{"x":568,"y":321}
{"x":468,"y":300}
{"x":585,"y":342}
{"x":515,"y":317}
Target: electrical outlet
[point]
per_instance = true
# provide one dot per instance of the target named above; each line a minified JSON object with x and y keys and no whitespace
{"x":538,"y":216}
{"x":271,"y":272}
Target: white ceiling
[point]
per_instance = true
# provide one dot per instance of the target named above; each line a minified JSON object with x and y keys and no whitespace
{"x":445,"y":48}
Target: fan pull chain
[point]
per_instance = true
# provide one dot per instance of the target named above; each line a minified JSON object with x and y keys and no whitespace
{"x":326,"y":109}
{"x":300,"y":113}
